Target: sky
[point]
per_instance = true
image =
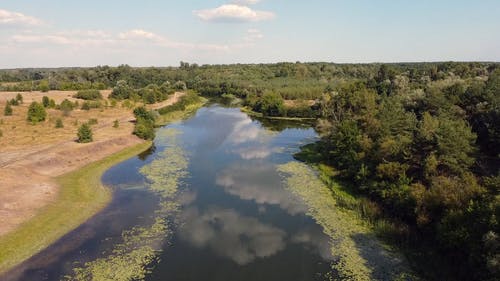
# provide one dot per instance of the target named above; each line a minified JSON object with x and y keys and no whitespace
{"x":59,"y":33}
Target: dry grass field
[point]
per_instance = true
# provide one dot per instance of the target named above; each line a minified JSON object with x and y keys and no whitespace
{"x":31,"y":156}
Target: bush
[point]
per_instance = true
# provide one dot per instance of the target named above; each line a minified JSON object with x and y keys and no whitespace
{"x":92,"y":121}
{"x":87,"y":105}
{"x":116,"y":124}
{"x":84,"y":133}
{"x":271,"y":104}
{"x":88,"y":95}
{"x":66,"y":106}
{"x":144,"y":129}
{"x":1,"y":133}
{"x":142,"y":113}
{"x":36,"y":113}
{"x":44,"y":86}
{"x":13,"y":102}
{"x":59,"y":123}
{"x":8,"y":110}
{"x":45,"y":101}
{"x":144,"y":126}
{"x":19,"y":98}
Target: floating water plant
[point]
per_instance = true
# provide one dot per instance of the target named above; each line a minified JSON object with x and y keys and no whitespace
{"x":131,"y":259}
{"x":360,"y":256}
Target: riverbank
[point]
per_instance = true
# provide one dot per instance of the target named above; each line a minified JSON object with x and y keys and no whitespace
{"x":80,"y":196}
{"x":50,"y":183}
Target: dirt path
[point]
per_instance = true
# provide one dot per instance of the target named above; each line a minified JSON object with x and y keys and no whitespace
{"x":27,"y":169}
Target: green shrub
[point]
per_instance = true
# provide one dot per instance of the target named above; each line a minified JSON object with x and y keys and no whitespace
{"x":84,"y":133}
{"x":144,"y":129}
{"x":1,"y":133}
{"x":66,"y":106}
{"x":88,"y":94}
{"x":19,"y":98}
{"x":116,"y":124}
{"x":144,"y":126}
{"x":36,"y":113}
{"x":8,"y":110}
{"x":45,"y":101}
{"x":13,"y":102}
{"x":59,"y":123}
{"x":87,"y":105}
{"x":92,"y":121}
{"x":44,"y":86}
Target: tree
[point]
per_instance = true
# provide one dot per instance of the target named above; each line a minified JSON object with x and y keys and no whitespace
{"x":45,"y":101}
{"x":36,"y":113}
{"x":271,"y":104}
{"x":84,"y":133}
{"x":121,"y":91}
{"x":8,"y":110}
{"x":144,"y":127}
{"x":116,"y":124}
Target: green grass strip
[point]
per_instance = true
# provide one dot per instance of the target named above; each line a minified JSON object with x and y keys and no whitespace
{"x":81,"y":195}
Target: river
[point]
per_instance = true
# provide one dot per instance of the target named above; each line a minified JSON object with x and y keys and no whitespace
{"x":229,"y":217}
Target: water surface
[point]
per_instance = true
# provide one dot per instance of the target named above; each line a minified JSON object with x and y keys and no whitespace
{"x":236,"y":221}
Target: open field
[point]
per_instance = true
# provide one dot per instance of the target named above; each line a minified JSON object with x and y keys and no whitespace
{"x":31,"y":155}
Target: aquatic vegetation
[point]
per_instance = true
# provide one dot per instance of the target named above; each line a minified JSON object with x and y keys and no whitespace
{"x":360,"y":255}
{"x":133,"y":257}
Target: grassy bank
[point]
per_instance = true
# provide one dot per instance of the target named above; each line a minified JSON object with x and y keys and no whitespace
{"x":167,"y":116}
{"x":81,"y":195}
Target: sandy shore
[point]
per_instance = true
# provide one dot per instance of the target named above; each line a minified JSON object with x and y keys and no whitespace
{"x":31,"y":156}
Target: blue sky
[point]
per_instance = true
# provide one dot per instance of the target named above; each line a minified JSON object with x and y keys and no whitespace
{"x":50,"y":33}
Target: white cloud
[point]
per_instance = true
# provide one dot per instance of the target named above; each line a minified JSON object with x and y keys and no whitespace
{"x":233,"y":13}
{"x":140,"y":34}
{"x":245,"y":2}
{"x":253,"y":35}
{"x":17,"y":19}
{"x":72,"y":37}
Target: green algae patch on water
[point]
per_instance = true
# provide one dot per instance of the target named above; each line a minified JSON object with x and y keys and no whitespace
{"x":360,"y":256}
{"x":134,"y":256}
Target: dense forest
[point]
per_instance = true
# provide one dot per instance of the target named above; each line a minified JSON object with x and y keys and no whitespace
{"x":419,"y":142}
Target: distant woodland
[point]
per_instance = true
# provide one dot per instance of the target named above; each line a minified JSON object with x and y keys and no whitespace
{"x":419,"y":142}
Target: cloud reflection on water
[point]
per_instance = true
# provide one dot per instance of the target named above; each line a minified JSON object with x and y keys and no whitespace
{"x":229,"y":234}
{"x":259,"y":181}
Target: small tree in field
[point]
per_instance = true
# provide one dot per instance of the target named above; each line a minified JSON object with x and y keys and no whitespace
{"x":84,"y":133}
{"x":19,"y":98}
{"x":116,"y":124}
{"x":8,"y":110}
{"x":36,"y":113}
{"x":45,"y":101}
